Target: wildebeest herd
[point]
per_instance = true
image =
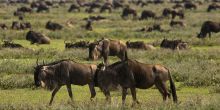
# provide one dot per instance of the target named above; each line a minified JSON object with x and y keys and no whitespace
{"x":127,"y":73}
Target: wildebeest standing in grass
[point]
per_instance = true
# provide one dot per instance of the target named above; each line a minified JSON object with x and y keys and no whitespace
{"x":179,"y":13}
{"x":190,"y":5}
{"x":74,"y":7}
{"x":208,"y":27}
{"x":175,"y":23}
{"x":147,"y":14}
{"x":42,"y":7}
{"x":131,"y":74}
{"x":35,"y":37}
{"x":129,"y":11}
{"x":106,"y":6}
{"x":173,"y":44}
{"x":3,"y":26}
{"x":54,"y":75}
{"x":53,"y":26}
{"x":213,"y":6}
{"x":107,"y":47}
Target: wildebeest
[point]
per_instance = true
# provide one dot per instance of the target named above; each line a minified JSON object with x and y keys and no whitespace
{"x":107,"y":47}
{"x":131,"y":74}
{"x":53,"y":26}
{"x":129,"y":11}
{"x":173,"y":44}
{"x":190,"y":5}
{"x":179,"y":23}
{"x":65,"y":72}
{"x":139,"y":45}
{"x":74,"y":7}
{"x":177,"y":5}
{"x":213,"y":6}
{"x":42,"y":7}
{"x":155,"y":27}
{"x":106,"y":6}
{"x":147,"y":14}
{"x":25,"y":10}
{"x":11,"y":44}
{"x":117,"y":4}
{"x":166,"y":12}
{"x":95,"y":18}
{"x":18,"y":13}
{"x":208,"y":27}
{"x":3,"y":26}
{"x":36,"y":37}
{"x":93,"y":6}
{"x":21,"y":26}
{"x":80,"y":44}
{"x":88,"y":25}
{"x":179,"y":13}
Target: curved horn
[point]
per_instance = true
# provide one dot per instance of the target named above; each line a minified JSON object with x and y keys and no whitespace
{"x":37,"y":62}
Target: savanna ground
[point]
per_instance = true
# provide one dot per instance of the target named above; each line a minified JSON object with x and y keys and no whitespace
{"x":196,"y":70}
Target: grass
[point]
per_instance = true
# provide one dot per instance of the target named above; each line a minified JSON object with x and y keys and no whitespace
{"x":195,"y":71}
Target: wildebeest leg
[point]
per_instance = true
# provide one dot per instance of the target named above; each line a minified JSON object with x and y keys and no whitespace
{"x":107,"y":95}
{"x":209,"y":34}
{"x":133,"y":93}
{"x":92,"y":90}
{"x":54,"y":93}
{"x":124,"y":93}
{"x":162,"y":89}
{"x":70,"y":91}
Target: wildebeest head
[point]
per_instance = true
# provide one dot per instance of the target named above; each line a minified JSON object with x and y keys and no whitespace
{"x":43,"y":76}
{"x":201,"y":35}
{"x":94,"y":51}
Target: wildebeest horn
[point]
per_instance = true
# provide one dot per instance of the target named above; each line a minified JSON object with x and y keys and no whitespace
{"x":37,"y":62}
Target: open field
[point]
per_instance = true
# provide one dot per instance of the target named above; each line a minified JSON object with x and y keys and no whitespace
{"x":196,"y":70}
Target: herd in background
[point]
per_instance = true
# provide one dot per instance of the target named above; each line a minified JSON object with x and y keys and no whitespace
{"x":129,"y":74}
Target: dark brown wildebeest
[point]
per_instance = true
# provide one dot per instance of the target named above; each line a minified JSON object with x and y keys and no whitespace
{"x":3,"y":26}
{"x":107,"y":47}
{"x":129,"y":11}
{"x":11,"y":44}
{"x":21,"y":26}
{"x":147,"y":14}
{"x":54,"y":75}
{"x":178,"y":5}
{"x":213,"y":6}
{"x":42,"y":7}
{"x":80,"y":44}
{"x":106,"y":6}
{"x":173,"y":44}
{"x":93,"y":6}
{"x":35,"y":37}
{"x":53,"y":26}
{"x":95,"y":18}
{"x":74,"y":7}
{"x":131,"y":74}
{"x":179,"y":13}
{"x":35,"y":4}
{"x":179,"y":23}
{"x":88,"y":25}
{"x":117,"y":4}
{"x":155,"y":27}
{"x":166,"y":12}
{"x":208,"y":27}
{"x":139,"y":45}
{"x":25,"y":10}
{"x":18,"y":13}
{"x":190,"y":5}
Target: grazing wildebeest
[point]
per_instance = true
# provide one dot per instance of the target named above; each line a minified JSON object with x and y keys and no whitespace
{"x":180,"y":23}
{"x":18,"y":13}
{"x":133,"y":74}
{"x":155,"y":27}
{"x":147,"y":14}
{"x":80,"y":44}
{"x":129,"y":11}
{"x":107,"y":47}
{"x":11,"y":44}
{"x":178,"y":5}
{"x":213,"y":6}
{"x":88,"y":25}
{"x":3,"y":26}
{"x":35,"y":37}
{"x":95,"y":18}
{"x":42,"y":7}
{"x":166,"y":12}
{"x":208,"y":27}
{"x":139,"y":45}
{"x":25,"y":10}
{"x":65,"y":72}
{"x":179,"y":13}
{"x":190,"y":5}
{"x":106,"y":6}
{"x":74,"y":7}
{"x":53,"y":26}
{"x":93,"y":6}
{"x":21,"y":26}
{"x":173,"y":44}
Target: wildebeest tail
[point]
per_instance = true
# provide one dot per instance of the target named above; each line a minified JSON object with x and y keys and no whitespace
{"x":173,"y":88}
